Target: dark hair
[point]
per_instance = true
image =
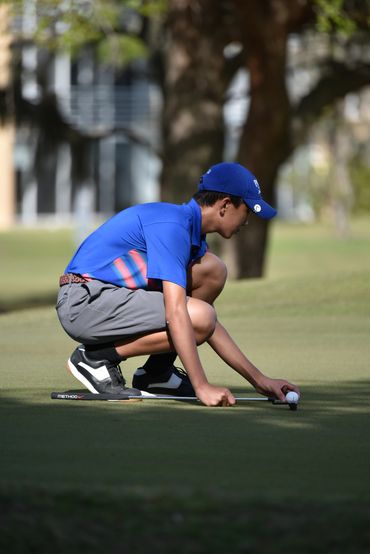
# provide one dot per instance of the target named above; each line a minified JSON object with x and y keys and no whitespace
{"x":210,"y":197}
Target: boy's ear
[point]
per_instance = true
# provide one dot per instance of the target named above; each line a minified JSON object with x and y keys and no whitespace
{"x":224,"y":204}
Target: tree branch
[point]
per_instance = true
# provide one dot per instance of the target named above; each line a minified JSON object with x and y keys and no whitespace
{"x":47,"y":116}
{"x":338,"y":80}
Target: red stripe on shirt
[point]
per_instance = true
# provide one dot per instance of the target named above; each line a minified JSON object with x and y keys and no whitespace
{"x":140,"y":262}
{"x":125,"y":273}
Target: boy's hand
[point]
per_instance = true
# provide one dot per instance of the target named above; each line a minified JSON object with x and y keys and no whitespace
{"x":275,"y":388}
{"x":210,"y":395}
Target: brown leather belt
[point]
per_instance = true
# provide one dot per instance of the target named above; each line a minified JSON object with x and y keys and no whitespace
{"x":71,"y":278}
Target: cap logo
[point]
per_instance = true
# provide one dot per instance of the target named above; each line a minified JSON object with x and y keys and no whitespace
{"x":257,"y":208}
{"x":257,"y":186}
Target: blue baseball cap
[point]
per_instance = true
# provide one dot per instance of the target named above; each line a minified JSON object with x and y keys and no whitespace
{"x":232,"y":178}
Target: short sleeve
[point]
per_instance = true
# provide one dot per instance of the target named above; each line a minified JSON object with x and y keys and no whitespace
{"x":168,"y":250}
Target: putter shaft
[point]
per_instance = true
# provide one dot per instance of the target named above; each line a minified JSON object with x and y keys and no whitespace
{"x":148,"y":396}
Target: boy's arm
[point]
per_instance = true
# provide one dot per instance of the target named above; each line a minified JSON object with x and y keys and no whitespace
{"x":182,"y":336}
{"x":227,"y":349}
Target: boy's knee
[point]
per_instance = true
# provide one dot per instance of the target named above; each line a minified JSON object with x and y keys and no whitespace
{"x":206,"y":322}
{"x":219,"y":272}
{"x":215,"y":278}
{"x":208,"y":278}
{"x":212,"y":267}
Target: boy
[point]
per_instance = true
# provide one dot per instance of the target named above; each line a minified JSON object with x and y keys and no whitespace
{"x":145,"y":283}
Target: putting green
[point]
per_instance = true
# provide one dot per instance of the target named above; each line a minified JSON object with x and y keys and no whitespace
{"x":308,"y":321}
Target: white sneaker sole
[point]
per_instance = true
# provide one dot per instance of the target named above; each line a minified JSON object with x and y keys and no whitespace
{"x":73,"y":369}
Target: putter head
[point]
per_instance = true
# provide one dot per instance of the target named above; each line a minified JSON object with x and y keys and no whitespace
{"x":277,"y":402}
{"x":292,"y":405}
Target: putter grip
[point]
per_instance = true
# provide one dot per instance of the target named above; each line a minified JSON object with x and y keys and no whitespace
{"x":67,"y":396}
{"x":80,"y":396}
{"x":86,"y":396}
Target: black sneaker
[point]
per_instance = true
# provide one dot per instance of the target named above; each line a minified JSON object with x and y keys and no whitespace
{"x":174,"y":382}
{"x":99,"y":376}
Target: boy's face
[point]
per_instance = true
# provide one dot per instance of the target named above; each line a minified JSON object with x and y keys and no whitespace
{"x":232,"y":218}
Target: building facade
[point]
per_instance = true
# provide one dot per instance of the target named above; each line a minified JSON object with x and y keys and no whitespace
{"x":118,"y":112}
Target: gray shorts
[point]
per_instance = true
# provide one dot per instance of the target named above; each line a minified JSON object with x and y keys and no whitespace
{"x":96,"y":312}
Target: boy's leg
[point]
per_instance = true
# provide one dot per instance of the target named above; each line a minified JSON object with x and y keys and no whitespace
{"x":206,"y":279}
{"x":203,"y":319}
{"x":158,"y":375}
{"x":97,"y":366}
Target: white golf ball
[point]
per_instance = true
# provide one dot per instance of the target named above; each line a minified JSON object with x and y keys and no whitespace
{"x":292,"y":397}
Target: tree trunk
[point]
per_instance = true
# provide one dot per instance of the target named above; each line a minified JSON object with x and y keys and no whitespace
{"x":194,"y":89}
{"x":264,"y":143}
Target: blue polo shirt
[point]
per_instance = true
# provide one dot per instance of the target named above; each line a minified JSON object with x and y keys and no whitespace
{"x":142,"y":246}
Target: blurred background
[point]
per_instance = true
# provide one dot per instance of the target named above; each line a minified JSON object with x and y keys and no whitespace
{"x":107,"y":104}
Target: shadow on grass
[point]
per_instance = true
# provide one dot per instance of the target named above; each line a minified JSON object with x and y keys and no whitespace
{"x":178,"y":445}
{"x":41,"y":521}
{"x":167,"y":476}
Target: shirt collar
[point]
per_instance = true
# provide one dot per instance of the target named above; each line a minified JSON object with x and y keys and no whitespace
{"x":196,"y":217}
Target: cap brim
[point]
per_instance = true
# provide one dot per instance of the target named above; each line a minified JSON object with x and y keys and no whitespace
{"x":260,"y":208}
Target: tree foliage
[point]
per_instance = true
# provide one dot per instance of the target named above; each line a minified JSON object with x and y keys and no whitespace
{"x":113,"y":27}
{"x":342,"y":16}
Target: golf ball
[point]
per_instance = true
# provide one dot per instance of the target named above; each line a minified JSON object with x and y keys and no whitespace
{"x":292,"y":397}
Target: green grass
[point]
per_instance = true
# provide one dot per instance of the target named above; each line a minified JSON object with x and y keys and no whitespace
{"x":188,"y":523}
{"x":33,"y":260}
{"x":162,"y":477}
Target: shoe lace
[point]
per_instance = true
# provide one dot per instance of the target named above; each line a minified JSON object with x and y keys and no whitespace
{"x":116,"y":374}
{"x":182,"y":373}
